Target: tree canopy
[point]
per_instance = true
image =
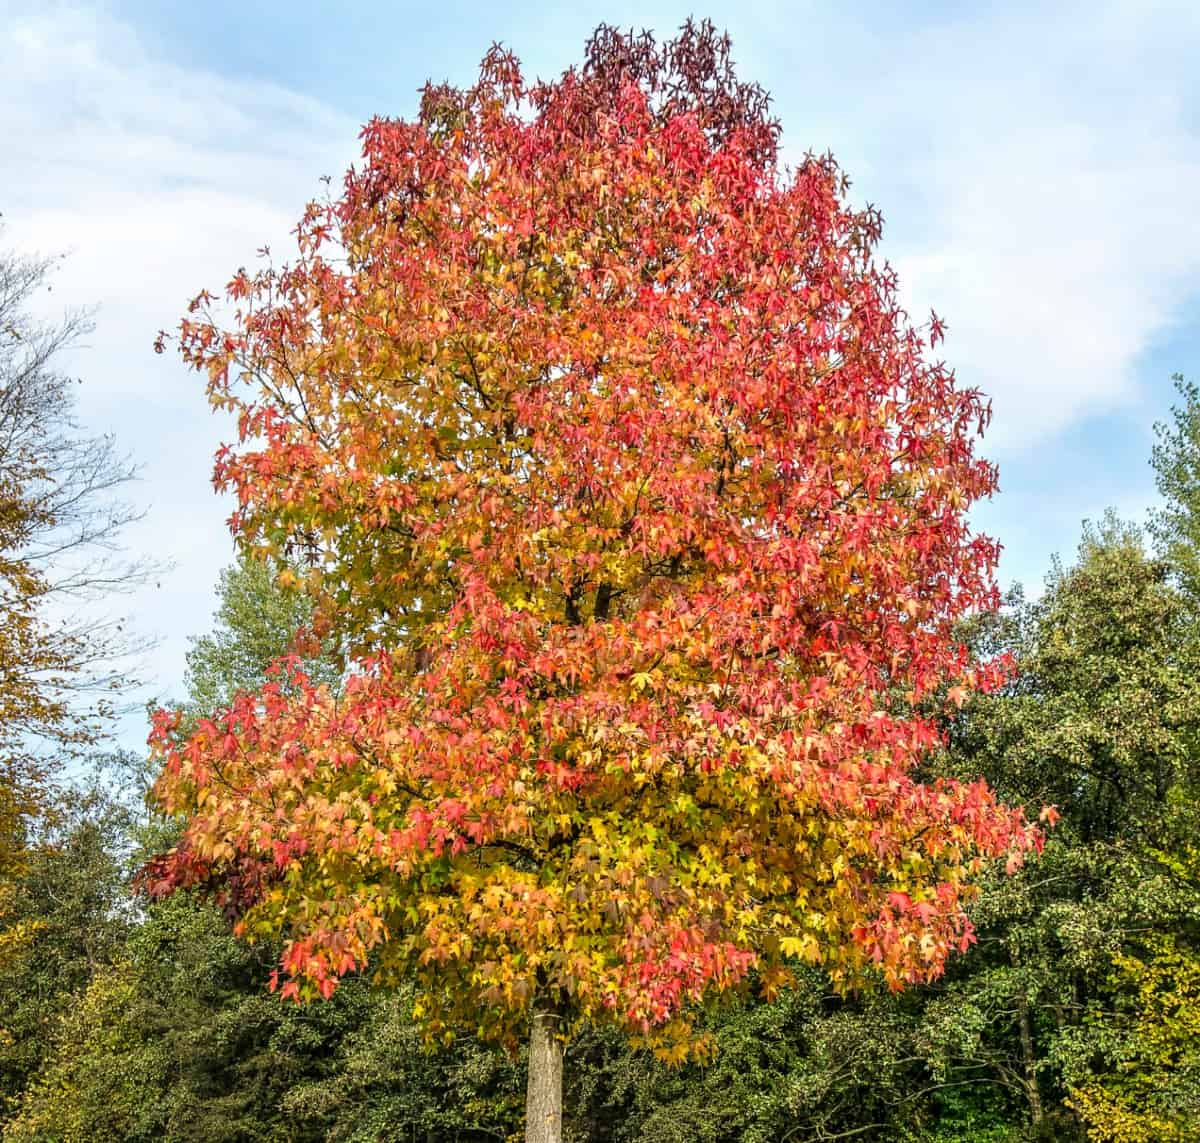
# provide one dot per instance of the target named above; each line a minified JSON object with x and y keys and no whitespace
{"x":640,"y":509}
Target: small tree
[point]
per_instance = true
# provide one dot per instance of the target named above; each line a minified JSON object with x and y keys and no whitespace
{"x":256,"y":622}
{"x":640,"y":509}
{"x":1176,"y":461}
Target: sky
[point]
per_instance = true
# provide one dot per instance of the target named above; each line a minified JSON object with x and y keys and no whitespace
{"x":1037,"y":167}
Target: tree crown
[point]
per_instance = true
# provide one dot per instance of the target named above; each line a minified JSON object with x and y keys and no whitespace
{"x":640,"y":506}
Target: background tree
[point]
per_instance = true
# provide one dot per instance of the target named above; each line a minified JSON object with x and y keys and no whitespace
{"x":1143,"y":1081}
{"x":1100,"y":722}
{"x":70,"y":898}
{"x":257,"y":622}
{"x":635,"y":500}
{"x":1150,"y":1090}
{"x":1176,"y":460}
{"x":61,"y":667}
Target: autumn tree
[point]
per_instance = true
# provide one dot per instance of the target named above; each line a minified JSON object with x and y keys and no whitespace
{"x":61,"y":515}
{"x":1147,"y":1087}
{"x":62,"y":663}
{"x":639,"y":509}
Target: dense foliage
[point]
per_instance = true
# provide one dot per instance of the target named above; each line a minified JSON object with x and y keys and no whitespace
{"x":640,"y":509}
{"x":607,"y":632}
{"x":1078,"y":1001}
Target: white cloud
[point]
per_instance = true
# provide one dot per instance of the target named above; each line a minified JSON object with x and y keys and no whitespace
{"x":1065,"y":253}
{"x":1038,"y":169}
{"x":156,"y":181}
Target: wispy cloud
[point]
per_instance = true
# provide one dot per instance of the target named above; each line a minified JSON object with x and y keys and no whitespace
{"x":1038,"y":167}
{"x":156,"y":181}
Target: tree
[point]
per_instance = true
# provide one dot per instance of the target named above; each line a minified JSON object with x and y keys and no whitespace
{"x":1152,"y":1093}
{"x":1143,"y":1083}
{"x":70,"y":899}
{"x":639,"y":510}
{"x":1101,"y":719}
{"x":1101,"y":722}
{"x":256,"y":623}
{"x":1176,"y":461}
{"x":60,"y":666}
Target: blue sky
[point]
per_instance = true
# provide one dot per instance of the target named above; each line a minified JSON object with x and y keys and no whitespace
{"x":1037,"y":166}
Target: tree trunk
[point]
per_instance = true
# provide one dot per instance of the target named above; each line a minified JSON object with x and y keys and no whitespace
{"x":1025,"y":1026}
{"x":543,"y":1095}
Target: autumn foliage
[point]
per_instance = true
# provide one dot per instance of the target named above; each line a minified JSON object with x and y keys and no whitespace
{"x":640,"y":508}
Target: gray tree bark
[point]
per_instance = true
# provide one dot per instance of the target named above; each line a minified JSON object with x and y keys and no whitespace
{"x":543,"y":1095}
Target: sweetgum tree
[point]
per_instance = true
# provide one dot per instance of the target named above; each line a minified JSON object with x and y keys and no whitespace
{"x":640,"y":509}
